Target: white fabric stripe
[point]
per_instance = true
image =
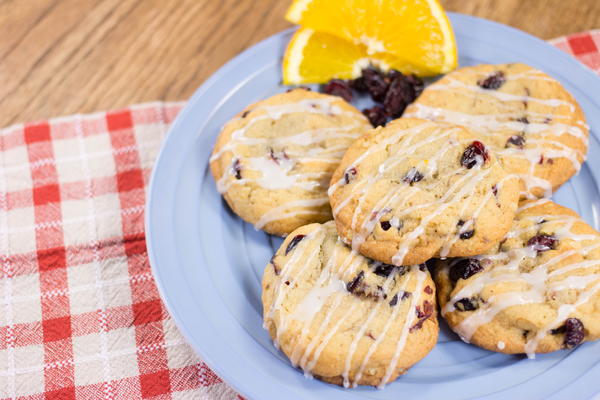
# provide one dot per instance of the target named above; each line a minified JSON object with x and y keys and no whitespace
{"x":77,"y":220}
{"x":124,"y":280}
{"x":151,"y":145}
{"x":95,"y":357}
{"x":92,"y":226}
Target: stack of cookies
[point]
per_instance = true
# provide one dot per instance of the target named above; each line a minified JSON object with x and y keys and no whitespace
{"x":451,"y":199}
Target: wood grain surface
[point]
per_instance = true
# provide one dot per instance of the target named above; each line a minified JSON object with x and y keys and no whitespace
{"x":60,"y":57}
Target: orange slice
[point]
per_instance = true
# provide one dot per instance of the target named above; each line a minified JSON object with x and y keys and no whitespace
{"x":415,"y":32}
{"x":313,"y":57}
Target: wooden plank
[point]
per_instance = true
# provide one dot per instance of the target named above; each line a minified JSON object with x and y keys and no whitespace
{"x":59,"y":57}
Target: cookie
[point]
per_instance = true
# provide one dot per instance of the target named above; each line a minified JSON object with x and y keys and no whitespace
{"x":343,"y":318}
{"x":417,"y":189}
{"x":528,"y":118}
{"x":274,"y":160}
{"x":536,"y":292}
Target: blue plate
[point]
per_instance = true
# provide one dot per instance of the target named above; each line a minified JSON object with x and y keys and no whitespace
{"x":208,"y":264}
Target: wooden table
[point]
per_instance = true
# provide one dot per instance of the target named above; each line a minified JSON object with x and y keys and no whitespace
{"x":59,"y":57}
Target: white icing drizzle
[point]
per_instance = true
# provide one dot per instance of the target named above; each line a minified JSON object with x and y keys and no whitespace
{"x":291,"y":209}
{"x":405,"y":330}
{"x":543,"y":281}
{"x":472,"y":178}
{"x":400,"y":195}
{"x":398,"y":198}
{"x":299,"y":258}
{"x":325,"y":298}
{"x":475,"y":91}
{"x":542,"y":130}
{"x":530,"y":204}
{"x":469,"y":224}
{"x":277,"y":169}
{"x":563,"y":312}
{"x":316,"y":298}
{"x":361,"y":332}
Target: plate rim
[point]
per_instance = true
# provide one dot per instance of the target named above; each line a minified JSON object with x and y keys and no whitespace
{"x":206,"y":355}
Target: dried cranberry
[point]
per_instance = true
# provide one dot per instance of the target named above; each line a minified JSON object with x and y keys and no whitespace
{"x":464,"y":269}
{"x":402,"y":295}
{"x":392,"y":74}
{"x":523,"y":120}
{"x":350,"y":174}
{"x":475,"y":153}
{"x":412,"y":176}
{"x":543,"y":242}
{"x":495,"y":190}
{"x":422,"y":315}
{"x":427,"y":309}
{"x":516,"y":140}
{"x":574,"y":332}
{"x":428,"y":289}
{"x":375,"y":115}
{"x":359,"y":85}
{"x":493,"y":81}
{"x":386,"y":269}
{"x":385,"y":225}
{"x":400,"y":94}
{"x":237,"y":169}
{"x":354,"y":283}
{"x":375,"y":83}
{"x":467,"y":234}
{"x":417,"y":84}
{"x":293,"y":243}
{"x":245,"y":113}
{"x":383,"y":270}
{"x":338,"y":87}
{"x":467,"y":304}
{"x":379,"y":293}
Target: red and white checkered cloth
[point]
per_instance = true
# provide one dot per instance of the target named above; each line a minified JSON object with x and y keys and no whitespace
{"x":585,"y":46}
{"x":80,"y":315}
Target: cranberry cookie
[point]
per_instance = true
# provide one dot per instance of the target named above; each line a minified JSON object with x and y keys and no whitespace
{"x":536,"y":292}
{"x":417,"y":189}
{"x":274,"y":160}
{"x":343,"y":318}
{"x":528,"y":118}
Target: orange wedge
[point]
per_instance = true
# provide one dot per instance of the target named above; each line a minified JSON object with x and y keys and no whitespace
{"x":314,"y":57}
{"x":416,"y":33}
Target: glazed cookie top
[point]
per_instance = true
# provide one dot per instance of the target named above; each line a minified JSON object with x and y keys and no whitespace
{"x":344,"y":318}
{"x":418,"y":189}
{"x":273,"y":161}
{"x":528,"y":118}
{"x":537,"y":291}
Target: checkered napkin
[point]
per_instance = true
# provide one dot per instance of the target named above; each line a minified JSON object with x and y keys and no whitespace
{"x":584,"y":46}
{"x":80,"y":315}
